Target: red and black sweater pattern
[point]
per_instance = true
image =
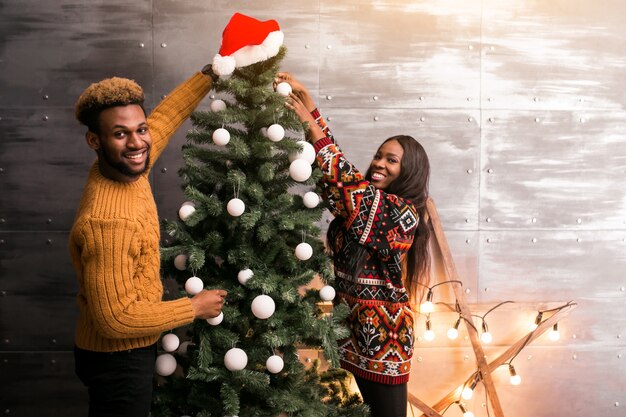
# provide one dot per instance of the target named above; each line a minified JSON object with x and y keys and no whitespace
{"x":380,"y":346}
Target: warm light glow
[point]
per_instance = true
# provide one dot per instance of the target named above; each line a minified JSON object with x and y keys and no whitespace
{"x":554,"y":334}
{"x":486,"y":337}
{"x":453,"y":333}
{"x":466,"y":413}
{"x":515,"y":378}
{"x":427,"y":306}
{"x":429,"y":335}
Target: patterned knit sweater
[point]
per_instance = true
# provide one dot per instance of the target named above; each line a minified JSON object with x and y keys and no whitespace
{"x":380,"y":347}
{"x":114,"y":246}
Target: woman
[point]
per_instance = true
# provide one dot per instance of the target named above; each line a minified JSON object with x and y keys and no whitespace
{"x":380,"y":252}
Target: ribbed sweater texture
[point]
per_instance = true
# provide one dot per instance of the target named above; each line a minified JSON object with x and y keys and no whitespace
{"x":114,"y":246}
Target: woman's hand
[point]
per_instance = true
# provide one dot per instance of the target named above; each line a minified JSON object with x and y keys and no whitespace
{"x":295,"y":103}
{"x":297,"y":88}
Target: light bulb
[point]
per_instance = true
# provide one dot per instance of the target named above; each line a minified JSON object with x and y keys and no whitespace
{"x":485,"y":336}
{"x":429,"y":334}
{"x":466,"y":413}
{"x":554,"y":334}
{"x":515,"y":378}
{"x":467,"y":393}
{"x":453,"y":332}
{"x":428,"y":306}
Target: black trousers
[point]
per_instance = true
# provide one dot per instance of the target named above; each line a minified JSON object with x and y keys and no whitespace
{"x":119,"y":383}
{"x":383,"y":400}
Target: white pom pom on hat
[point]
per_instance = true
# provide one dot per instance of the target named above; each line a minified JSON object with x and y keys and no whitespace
{"x":246,"y":41}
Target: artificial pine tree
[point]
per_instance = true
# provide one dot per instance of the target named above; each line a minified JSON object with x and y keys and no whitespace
{"x":248,"y":364}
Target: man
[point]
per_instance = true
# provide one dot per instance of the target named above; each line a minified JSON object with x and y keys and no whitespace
{"x":114,"y":245}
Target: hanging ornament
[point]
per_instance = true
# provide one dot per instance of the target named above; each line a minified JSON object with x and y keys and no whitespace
{"x":263,"y":306}
{"x":300,"y":170}
{"x":217,"y":105}
{"x":235,"y":207}
{"x":221,"y":136}
{"x":235,"y":359}
{"x":244,"y":276}
{"x":186,"y":210}
{"x":184,"y":346}
{"x":275,"y":132}
{"x":327,"y":293}
{"x":165,"y":364}
{"x":304,"y":251}
{"x":284,"y":89}
{"x":274,"y":364}
{"x":306,"y":152}
{"x":180,"y":262}
{"x":194,"y":285}
{"x":310,"y":199}
{"x":214,"y":321}
{"x":170,"y":342}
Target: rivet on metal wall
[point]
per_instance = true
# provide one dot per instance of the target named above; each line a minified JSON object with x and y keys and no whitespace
{"x":6,"y":341}
{"x":329,"y":118}
{"x":469,"y":171}
{"x":533,"y":220}
{"x":45,"y":97}
{"x":212,"y":96}
{"x":488,"y":219}
{"x":583,"y":120}
{"x":490,"y":99}
{"x":3,"y":293}
{"x":470,"y":47}
{"x":470,"y":119}
{"x":163,"y":45}
{"x":53,"y":361}
{"x":1,"y":241}
{"x":619,"y":356}
{"x":3,"y":220}
{"x":1,"y":170}
{"x":421,"y":98}
{"x":466,"y":357}
{"x":491,"y":120}
{"x":467,"y":220}
{"x":419,"y":359}
{"x":141,"y":45}
{"x":49,"y":221}
{"x":469,"y":99}
{"x":307,"y":46}
{"x":468,"y":241}
{"x":486,"y":289}
{"x":49,"y":241}
{"x":422,"y":119}
{"x":492,"y":47}
{"x":488,"y":240}
{"x":490,"y":171}
{"x":530,"y":357}
{"x":163,"y":96}
{"x":537,"y":120}
{"x":375,"y":98}
{"x":574,"y":356}
{"x":574,"y":336}
{"x":375,"y":118}
{"x":622,"y":289}
{"x":619,"y":336}
{"x":579,"y":220}
{"x":616,"y":404}
{"x":536,"y":99}
{"x":53,"y":341}
{"x":164,"y":170}
{"x":329,"y":47}
{"x":467,"y":291}
{"x":45,"y":118}
{"x":534,"y":240}
{"x":579,"y":240}
{"x":329,"y":97}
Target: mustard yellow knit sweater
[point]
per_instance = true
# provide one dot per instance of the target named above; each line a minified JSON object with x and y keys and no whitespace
{"x":114,"y":246}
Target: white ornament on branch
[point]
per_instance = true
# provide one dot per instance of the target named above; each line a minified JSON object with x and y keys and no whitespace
{"x":274,"y":364}
{"x":194,"y":285}
{"x":165,"y":364}
{"x":186,"y":210}
{"x":214,"y":321}
{"x":327,"y":293}
{"x":244,"y":276}
{"x":235,"y":359}
{"x":221,"y":137}
{"x":306,"y":152}
{"x":217,"y":105}
{"x":275,"y":132}
{"x":170,"y":342}
{"x":304,"y":251}
{"x":283,"y":88}
{"x":180,"y":262}
{"x":235,"y":207}
{"x":300,"y":170}
{"x":310,"y":199}
{"x":263,"y":306}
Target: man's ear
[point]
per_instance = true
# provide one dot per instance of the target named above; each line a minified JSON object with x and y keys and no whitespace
{"x":93,"y":141}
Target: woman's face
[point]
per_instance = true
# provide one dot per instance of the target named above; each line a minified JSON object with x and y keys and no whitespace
{"x":385,"y":166}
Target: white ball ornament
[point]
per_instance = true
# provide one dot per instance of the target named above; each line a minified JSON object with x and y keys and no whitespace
{"x":235,"y":359}
{"x":310,"y":199}
{"x":235,"y":207}
{"x":306,"y":152}
{"x":170,"y":342}
{"x":185,"y":211}
{"x":244,"y":276}
{"x":217,"y":106}
{"x":165,"y":364}
{"x":304,"y":251}
{"x":214,"y":321}
{"x":284,"y":89}
{"x":263,"y":306}
{"x":180,"y":262}
{"x":275,"y":132}
{"x":327,"y":293}
{"x":274,"y":364}
{"x":221,"y":137}
{"x":300,"y":170}
{"x":194,"y":285}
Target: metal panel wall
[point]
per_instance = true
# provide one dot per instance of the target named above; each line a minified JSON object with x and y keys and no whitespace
{"x":519,"y":104}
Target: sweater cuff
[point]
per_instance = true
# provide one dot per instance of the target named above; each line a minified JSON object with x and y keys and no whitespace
{"x":320,"y":144}
{"x":315,"y":113}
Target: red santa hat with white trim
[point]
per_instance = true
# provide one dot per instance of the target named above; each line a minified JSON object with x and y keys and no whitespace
{"x":246,"y":41}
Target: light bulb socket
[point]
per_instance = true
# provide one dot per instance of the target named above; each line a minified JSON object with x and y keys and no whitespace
{"x":463,"y":409}
{"x":457,"y":323}
{"x":512,"y":370}
{"x":485,"y":328}
{"x":429,"y":296}
{"x":428,"y":324}
{"x":538,"y":318}
{"x":555,"y":327}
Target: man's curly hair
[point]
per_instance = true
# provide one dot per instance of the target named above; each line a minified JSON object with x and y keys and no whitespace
{"x":104,"y":94}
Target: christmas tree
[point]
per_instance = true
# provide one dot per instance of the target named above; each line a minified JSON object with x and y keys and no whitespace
{"x":250,"y":226}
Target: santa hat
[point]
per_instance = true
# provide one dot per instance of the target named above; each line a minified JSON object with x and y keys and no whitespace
{"x":246,"y":41}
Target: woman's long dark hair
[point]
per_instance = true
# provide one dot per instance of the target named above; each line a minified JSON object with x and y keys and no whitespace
{"x":411,"y":184}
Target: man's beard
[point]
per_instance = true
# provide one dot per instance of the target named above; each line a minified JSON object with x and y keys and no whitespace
{"x":122,"y":167}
